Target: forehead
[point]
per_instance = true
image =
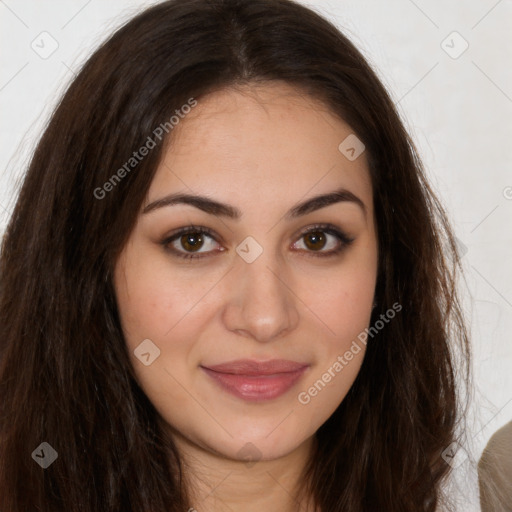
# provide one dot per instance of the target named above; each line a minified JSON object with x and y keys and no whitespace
{"x":260,"y":142}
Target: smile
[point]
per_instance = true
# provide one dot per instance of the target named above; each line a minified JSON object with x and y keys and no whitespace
{"x":256,"y":381}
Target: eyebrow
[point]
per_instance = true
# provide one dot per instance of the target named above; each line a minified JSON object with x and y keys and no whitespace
{"x":217,"y":208}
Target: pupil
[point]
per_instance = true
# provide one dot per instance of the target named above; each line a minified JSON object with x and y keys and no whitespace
{"x":315,"y":238}
{"x":192,"y":241}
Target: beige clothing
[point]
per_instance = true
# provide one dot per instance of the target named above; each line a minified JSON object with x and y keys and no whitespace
{"x":495,"y":472}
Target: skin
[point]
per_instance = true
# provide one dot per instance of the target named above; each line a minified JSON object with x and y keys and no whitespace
{"x":261,"y":149}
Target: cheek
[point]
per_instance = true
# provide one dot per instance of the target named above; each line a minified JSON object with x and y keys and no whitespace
{"x":152,"y":302}
{"x":343,"y":302}
{"x":150,"y":309}
{"x":171,"y":311}
{"x":345,"y":310}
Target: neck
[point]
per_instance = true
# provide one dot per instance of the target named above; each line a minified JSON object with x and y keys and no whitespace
{"x":218,"y":484}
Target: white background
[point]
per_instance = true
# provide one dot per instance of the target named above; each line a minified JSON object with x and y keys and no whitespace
{"x":457,"y":109}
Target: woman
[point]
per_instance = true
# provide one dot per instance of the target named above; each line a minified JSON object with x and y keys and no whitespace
{"x":226,"y":282}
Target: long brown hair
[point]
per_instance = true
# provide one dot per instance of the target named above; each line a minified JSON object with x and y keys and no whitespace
{"x":65,"y":375}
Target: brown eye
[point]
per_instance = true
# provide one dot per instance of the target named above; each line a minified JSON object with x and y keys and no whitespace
{"x":192,"y":241}
{"x":315,"y":240}
{"x":324,"y":240}
{"x":199,"y":242}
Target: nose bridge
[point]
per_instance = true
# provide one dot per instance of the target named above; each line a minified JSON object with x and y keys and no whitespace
{"x":261,"y":303}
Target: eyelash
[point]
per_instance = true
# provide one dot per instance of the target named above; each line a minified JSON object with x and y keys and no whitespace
{"x":322,"y":228}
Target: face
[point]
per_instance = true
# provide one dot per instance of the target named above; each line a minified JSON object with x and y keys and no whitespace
{"x":239,"y":309}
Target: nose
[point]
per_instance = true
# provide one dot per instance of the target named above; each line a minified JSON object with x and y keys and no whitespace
{"x":262,"y":304}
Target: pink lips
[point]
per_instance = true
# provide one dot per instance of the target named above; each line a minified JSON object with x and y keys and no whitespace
{"x":256,"y":381}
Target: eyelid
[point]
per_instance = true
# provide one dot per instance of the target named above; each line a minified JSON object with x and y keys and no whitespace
{"x":344,"y":239}
{"x":326,"y":227}
{"x":183,"y":231}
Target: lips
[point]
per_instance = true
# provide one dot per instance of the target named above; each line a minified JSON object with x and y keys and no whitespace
{"x":256,"y":381}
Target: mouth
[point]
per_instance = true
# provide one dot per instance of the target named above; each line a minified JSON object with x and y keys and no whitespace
{"x":256,"y":381}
